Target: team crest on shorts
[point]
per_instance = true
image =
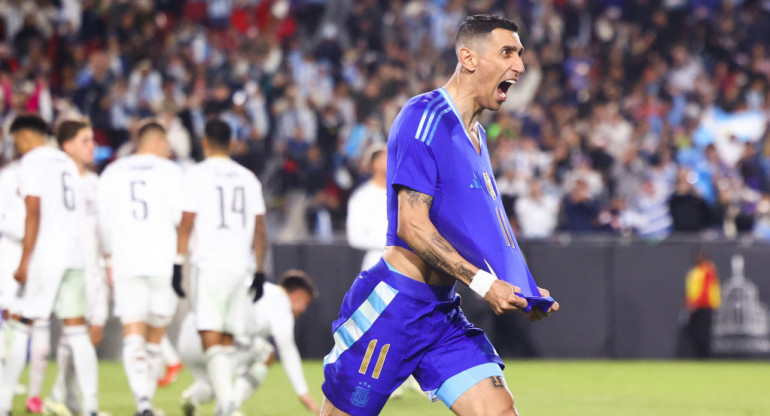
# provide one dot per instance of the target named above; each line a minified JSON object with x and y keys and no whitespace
{"x":360,"y":397}
{"x":490,"y":188}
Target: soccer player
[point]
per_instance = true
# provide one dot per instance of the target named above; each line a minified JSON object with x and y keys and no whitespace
{"x":446,"y":223}
{"x":51,"y":267}
{"x":272,"y":316}
{"x":367,"y":221}
{"x":223,"y":205}
{"x":138,"y":200}
{"x":12,"y":213}
{"x":76,"y":138}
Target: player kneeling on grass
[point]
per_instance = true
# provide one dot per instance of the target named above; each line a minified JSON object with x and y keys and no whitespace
{"x":272,"y":316}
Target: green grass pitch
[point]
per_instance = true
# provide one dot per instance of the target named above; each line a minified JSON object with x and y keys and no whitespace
{"x":553,"y":388}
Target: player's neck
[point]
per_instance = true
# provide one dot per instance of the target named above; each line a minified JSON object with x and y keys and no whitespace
{"x":217,"y":155}
{"x":462,"y":95}
{"x":380,"y":181}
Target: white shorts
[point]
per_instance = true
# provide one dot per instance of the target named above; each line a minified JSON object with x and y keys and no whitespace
{"x":97,"y":296}
{"x":52,"y":289}
{"x":142,"y":299}
{"x":219,"y":300}
{"x":10,"y":255}
{"x":9,"y":288}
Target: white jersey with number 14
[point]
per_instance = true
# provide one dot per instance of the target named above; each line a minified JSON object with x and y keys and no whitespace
{"x":226,"y":198}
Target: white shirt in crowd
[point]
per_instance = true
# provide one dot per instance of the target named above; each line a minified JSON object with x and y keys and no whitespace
{"x":270,"y":316}
{"x":226,"y":198}
{"x":48,"y":173}
{"x":139,"y":210}
{"x":537,"y":217}
{"x":367,"y":221}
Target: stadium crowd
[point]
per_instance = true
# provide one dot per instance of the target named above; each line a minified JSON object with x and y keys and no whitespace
{"x":640,"y":117}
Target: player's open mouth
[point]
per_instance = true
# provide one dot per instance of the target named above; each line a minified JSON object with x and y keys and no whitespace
{"x":502,"y":88}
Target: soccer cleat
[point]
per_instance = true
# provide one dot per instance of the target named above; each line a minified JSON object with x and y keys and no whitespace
{"x":20,"y":390}
{"x":172,"y":373}
{"x":188,"y":407}
{"x":34,"y":405}
{"x":52,"y":408}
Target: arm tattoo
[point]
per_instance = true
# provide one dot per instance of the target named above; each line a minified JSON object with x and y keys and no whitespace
{"x":497,"y":381}
{"x":441,"y":243}
{"x":418,"y":198}
{"x":462,"y":271}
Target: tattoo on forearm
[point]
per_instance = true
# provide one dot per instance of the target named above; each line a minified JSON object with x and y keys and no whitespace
{"x":418,"y":198}
{"x":441,"y":243}
{"x":435,"y":261}
{"x":462,"y":271}
{"x":497,"y":381}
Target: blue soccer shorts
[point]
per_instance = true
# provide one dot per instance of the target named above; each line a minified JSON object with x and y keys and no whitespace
{"x":391,"y":326}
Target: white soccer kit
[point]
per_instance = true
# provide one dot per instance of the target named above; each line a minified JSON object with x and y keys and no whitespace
{"x":138,"y":208}
{"x":225,"y":198}
{"x":367,"y":222}
{"x":48,"y":173}
{"x":12,"y":214}
{"x":97,"y":290}
{"x":270,"y":316}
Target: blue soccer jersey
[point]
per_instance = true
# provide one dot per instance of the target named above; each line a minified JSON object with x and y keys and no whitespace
{"x":430,"y":151}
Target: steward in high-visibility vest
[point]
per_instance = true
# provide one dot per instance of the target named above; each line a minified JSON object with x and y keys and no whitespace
{"x":702,"y":298}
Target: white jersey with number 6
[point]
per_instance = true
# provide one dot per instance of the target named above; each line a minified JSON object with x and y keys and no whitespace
{"x":226,"y":198}
{"x":49,"y":174}
{"x":138,"y":208}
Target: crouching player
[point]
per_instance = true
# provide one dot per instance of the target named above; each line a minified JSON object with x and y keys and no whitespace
{"x":271,"y":316}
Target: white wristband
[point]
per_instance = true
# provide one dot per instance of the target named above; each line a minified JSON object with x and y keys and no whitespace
{"x":179,"y":259}
{"x":481,"y":282}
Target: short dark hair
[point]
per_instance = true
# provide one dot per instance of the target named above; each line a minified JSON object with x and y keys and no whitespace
{"x":295,"y":279}
{"x":150,"y":126}
{"x":218,"y":133}
{"x":29,"y":122}
{"x":68,"y":129}
{"x":482,"y":25}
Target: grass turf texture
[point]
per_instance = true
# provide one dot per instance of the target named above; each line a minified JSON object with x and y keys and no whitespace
{"x":553,"y":388}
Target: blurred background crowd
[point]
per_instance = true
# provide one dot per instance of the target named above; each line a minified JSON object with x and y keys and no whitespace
{"x":636,"y":117}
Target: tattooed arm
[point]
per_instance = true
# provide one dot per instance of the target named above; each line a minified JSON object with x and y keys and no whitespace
{"x":417,"y":231}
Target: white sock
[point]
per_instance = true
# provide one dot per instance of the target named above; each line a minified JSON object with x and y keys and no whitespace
{"x":63,"y":358}
{"x":157,"y":369}
{"x":137,"y":369}
{"x":3,"y":326}
{"x":170,"y":356}
{"x":39,"y":348}
{"x":199,"y":393}
{"x":220,"y":371}
{"x":86,"y":365}
{"x":247,"y":383}
{"x":18,"y":337}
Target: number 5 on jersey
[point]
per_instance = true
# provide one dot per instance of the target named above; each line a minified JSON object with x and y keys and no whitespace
{"x":368,"y":358}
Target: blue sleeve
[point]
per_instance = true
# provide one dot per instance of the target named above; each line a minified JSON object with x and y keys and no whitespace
{"x":415,"y":165}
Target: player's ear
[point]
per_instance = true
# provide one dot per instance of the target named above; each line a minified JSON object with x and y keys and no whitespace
{"x":467,"y":58}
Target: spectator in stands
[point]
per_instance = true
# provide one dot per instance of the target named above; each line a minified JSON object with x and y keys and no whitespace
{"x":689,"y":212}
{"x":537,"y":213}
{"x":580,"y":209}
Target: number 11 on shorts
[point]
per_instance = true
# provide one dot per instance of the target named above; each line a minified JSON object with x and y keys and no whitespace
{"x":368,"y":358}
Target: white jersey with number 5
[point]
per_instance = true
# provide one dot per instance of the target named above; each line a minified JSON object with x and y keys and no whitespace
{"x":138,"y":207}
{"x":226,"y":198}
{"x":49,"y":174}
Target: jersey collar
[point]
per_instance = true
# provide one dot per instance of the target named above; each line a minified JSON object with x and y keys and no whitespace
{"x":444,"y":92}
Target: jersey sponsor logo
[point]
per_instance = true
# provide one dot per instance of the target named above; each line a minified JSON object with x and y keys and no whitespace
{"x":360,"y":396}
{"x":490,"y":188}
